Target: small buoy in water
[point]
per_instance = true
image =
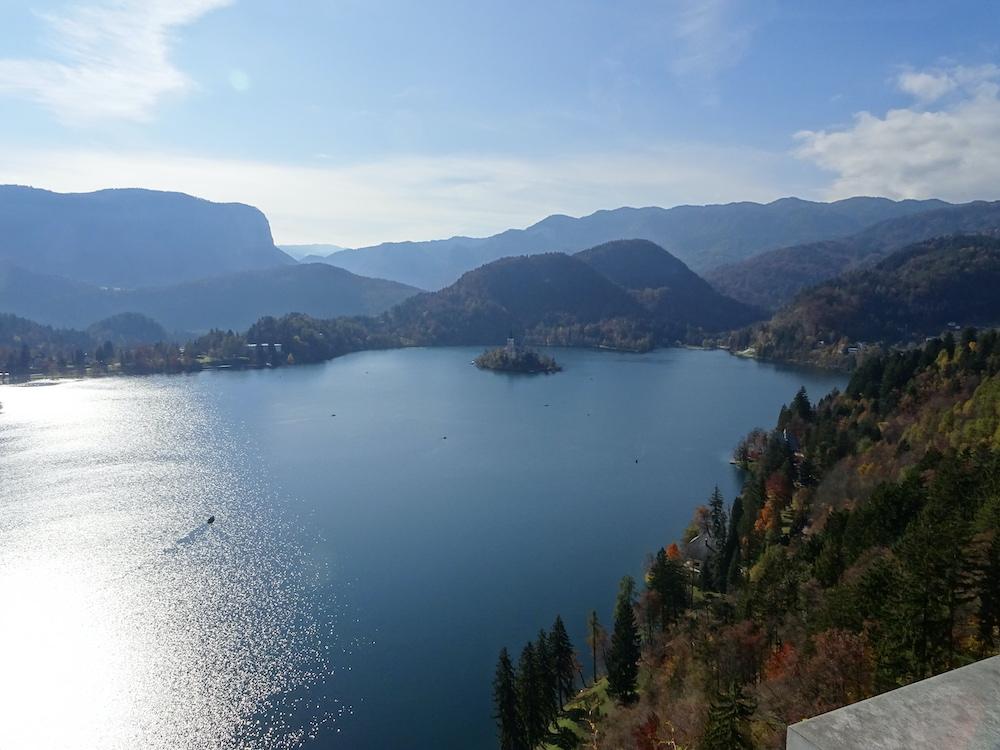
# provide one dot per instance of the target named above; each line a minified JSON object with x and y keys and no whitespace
{"x":211,"y":519}
{"x":445,"y":437}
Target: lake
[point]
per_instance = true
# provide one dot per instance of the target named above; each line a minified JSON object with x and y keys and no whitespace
{"x":385,"y":522}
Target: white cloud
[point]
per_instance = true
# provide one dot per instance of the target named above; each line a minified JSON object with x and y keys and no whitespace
{"x":710,"y":37}
{"x":927,"y":86}
{"x":951,"y":152}
{"x":110,"y":59}
{"x":421,"y":197}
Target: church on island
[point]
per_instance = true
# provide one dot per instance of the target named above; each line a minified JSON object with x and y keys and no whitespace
{"x":512,"y":358}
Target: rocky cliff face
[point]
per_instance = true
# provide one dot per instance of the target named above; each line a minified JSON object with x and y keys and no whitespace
{"x":132,"y":238}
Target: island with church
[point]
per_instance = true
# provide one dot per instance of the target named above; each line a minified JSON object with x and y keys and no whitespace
{"x":513,"y":358}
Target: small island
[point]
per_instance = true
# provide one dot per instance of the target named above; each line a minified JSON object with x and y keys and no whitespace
{"x":512,"y":358}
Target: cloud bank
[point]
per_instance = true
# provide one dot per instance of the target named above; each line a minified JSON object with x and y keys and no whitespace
{"x":945,"y":145}
{"x":110,"y":60}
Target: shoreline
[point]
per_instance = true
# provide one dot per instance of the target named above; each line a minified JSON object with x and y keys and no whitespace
{"x":37,"y":379}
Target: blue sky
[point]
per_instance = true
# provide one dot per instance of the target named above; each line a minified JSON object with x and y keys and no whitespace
{"x":355,"y":122}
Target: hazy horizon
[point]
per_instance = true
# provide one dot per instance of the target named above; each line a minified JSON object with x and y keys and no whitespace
{"x":337,"y":246}
{"x":359,"y":124}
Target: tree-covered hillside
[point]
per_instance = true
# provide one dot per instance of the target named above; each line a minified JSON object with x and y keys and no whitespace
{"x":128,"y":329}
{"x":668,"y":289}
{"x":862,"y":554}
{"x":914,"y":293}
{"x":594,"y":298}
{"x":545,"y":298}
{"x":130,"y":342}
{"x":771,"y":279}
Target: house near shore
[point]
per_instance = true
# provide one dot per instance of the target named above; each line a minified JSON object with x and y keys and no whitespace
{"x":698,"y":550}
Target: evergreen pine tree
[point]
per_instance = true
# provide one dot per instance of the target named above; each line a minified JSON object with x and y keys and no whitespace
{"x":548,"y":685}
{"x":728,"y":721}
{"x":529,"y":708}
{"x":509,"y":730}
{"x":730,"y":550}
{"x":667,"y":578}
{"x":714,"y":569}
{"x":801,"y":406}
{"x":623,"y":657}
{"x":595,"y":637}
{"x":989,"y":593}
{"x":921,"y":622}
{"x":717,"y":516}
{"x":564,"y":660}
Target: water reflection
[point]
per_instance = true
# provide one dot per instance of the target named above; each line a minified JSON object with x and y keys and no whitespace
{"x":194,"y":535}
{"x":106,"y":641}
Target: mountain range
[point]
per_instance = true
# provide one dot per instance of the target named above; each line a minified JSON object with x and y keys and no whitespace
{"x":703,"y":237}
{"x":188,"y":265}
{"x":771,"y":279}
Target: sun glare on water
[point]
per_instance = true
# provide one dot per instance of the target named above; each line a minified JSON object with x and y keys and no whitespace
{"x":127,"y":621}
{"x":66,"y":668}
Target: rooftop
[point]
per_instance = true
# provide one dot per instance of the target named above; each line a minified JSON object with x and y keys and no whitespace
{"x":958,"y":710}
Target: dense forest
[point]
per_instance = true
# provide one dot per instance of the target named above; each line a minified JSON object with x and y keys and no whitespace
{"x":127,"y":343}
{"x":862,"y":554}
{"x":914,"y":293}
{"x":132,"y":344}
{"x":630,"y":295}
{"x":669,"y":291}
{"x":772,"y":279}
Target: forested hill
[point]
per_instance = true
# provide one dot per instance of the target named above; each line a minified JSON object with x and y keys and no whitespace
{"x":773,"y":278}
{"x":703,"y":237}
{"x":591,"y":299}
{"x":27,"y":347}
{"x":229,"y":301}
{"x":531,"y":296}
{"x":16,"y":332}
{"x":667,"y":288}
{"x":862,"y":554}
{"x":913,"y":293}
{"x":130,"y":238}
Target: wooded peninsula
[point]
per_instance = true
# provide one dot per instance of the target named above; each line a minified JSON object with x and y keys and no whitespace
{"x":862,"y":554}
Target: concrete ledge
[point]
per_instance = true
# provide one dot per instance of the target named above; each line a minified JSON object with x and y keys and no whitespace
{"x":957,"y":710}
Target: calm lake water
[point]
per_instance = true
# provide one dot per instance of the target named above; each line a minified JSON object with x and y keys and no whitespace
{"x":364,"y":569}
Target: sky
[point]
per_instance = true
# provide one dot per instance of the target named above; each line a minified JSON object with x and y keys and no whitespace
{"x":355,"y":122}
